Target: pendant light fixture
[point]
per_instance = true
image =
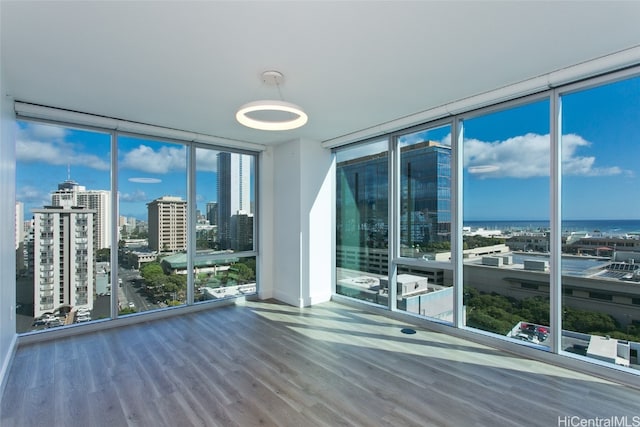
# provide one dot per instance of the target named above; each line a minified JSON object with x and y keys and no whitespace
{"x":297,"y":116}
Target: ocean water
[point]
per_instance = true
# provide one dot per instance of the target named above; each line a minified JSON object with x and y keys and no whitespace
{"x":609,"y":227}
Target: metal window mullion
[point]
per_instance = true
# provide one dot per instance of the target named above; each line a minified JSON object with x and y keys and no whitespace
{"x":256,"y":214}
{"x":114,"y":226}
{"x":555,"y":264}
{"x":191,"y":221}
{"x":334,"y":223}
{"x":394,"y":220}
{"x":457,"y":200}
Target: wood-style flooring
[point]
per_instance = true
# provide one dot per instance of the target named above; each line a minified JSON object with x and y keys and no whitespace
{"x":268,"y":364}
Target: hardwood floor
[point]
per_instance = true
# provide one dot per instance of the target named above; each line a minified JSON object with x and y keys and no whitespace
{"x":270,"y":364}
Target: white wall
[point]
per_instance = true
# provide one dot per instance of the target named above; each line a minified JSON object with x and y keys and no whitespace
{"x":286,"y":225}
{"x":266,"y":224}
{"x":7,"y":231}
{"x":303,"y":182}
{"x":316,"y":207}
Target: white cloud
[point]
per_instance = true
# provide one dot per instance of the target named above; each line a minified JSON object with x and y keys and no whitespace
{"x":33,"y":195}
{"x":48,"y":132}
{"x":417,"y":137}
{"x":207,"y":160}
{"x":143,"y":180}
{"x":47,"y":144}
{"x":527,"y":156}
{"x":146,"y":159}
{"x":483,"y":169}
{"x":573,"y":164}
{"x":137,"y":196}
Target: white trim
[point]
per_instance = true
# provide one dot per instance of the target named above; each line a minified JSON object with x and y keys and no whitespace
{"x":318,"y":299}
{"x":42,"y":112}
{"x":6,"y":364}
{"x":131,"y":319}
{"x":574,"y":73}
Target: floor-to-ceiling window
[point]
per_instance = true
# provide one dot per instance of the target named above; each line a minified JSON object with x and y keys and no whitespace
{"x":517,"y":184}
{"x":63,"y":225}
{"x":223,"y":265}
{"x":167,"y":207}
{"x":152,"y":195}
{"x":601,"y":221}
{"x":362,"y":223}
{"x":506,"y":228}
{"x":424,"y":199}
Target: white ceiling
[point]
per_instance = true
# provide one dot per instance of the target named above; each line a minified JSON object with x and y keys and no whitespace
{"x":350,"y":65}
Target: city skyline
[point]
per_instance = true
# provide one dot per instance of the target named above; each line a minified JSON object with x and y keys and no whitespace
{"x":147,"y":169}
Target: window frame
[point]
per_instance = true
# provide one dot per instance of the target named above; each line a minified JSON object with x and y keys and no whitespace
{"x":190,"y":171}
{"x":554,"y":96}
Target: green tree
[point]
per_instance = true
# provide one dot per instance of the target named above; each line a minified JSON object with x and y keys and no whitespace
{"x":103,"y":255}
{"x":243,"y":272}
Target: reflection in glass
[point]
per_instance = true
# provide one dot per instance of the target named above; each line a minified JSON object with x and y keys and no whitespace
{"x":601,"y":223}
{"x":425,"y":194}
{"x":362,"y":221}
{"x":506,"y":226}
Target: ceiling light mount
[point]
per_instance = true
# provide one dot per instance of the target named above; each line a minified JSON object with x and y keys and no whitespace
{"x":296,"y":117}
{"x":273,"y":78}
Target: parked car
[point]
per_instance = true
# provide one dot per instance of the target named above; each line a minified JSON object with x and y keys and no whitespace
{"x":52,"y":323}
{"x":83,"y":318}
{"x":529,"y":338}
{"x":542,"y":333}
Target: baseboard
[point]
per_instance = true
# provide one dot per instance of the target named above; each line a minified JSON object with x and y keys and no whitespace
{"x":302,"y":302}
{"x":319,"y":299}
{"x":6,"y":364}
{"x":288,"y":299}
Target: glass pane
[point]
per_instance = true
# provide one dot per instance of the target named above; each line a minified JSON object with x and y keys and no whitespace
{"x":425,"y":194}
{"x":225,"y":197}
{"x":601,"y":223}
{"x":506,"y":222}
{"x":362,"y":224}
{"x":224,"y":278}
{"x":425,"y":291}
{"x":64,"y":204}
{"x":153,"y":224}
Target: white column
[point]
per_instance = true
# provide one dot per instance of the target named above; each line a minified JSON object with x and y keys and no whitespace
{"x":303,"y":182}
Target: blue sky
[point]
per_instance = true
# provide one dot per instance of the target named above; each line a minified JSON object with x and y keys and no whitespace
{"x":506,"y":157}
{"x":600,"y":146}
{"x":148,"y":169}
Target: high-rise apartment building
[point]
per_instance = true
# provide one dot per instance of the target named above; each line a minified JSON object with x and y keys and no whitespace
{"x":100,"y":202}
{"x":19,"y":233}
{"x":19,"y":223}
{"x":167,"y":218}
{"x":234,"y":193}
{"x":62,"y":258}
{"x":425,"y":188}
{"x":242,"y":231}
{"x":70,"y":193}
{"x":212,"y":213}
